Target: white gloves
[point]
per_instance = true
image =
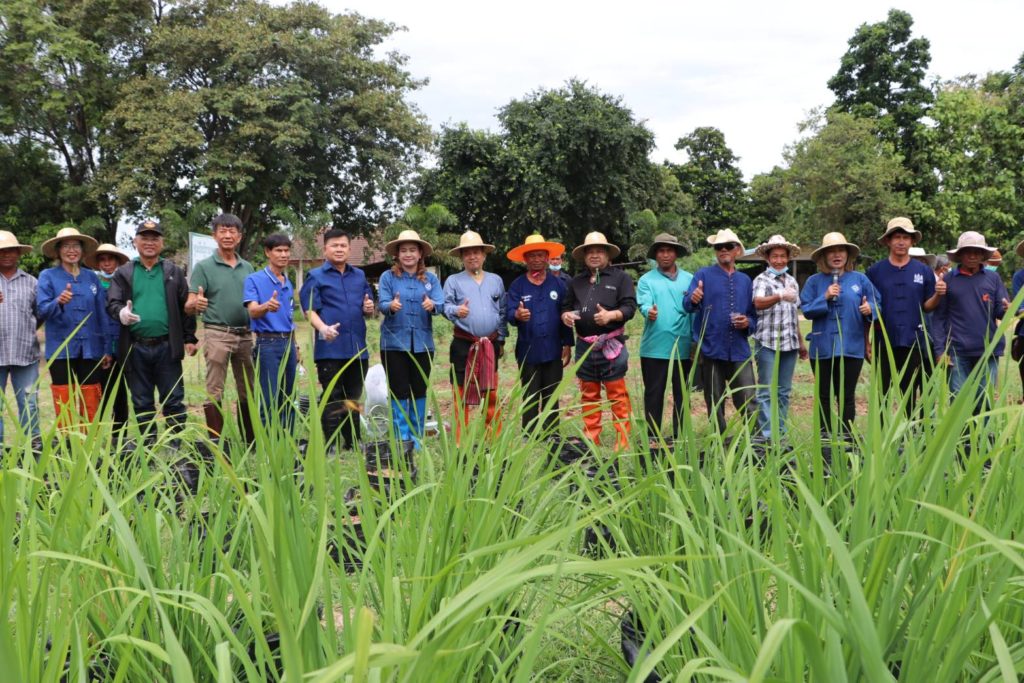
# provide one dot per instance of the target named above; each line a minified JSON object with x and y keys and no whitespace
{"x":127,"y":317}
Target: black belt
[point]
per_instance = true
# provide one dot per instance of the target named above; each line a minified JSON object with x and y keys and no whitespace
{"x":150,"y":341}
{"x":240,"y":331}
{"x":274,"y":335}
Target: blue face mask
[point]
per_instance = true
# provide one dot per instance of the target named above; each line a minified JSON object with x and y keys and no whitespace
{"x":555,"y":268}
{"x":992,"y":268}
{"x":779,"y":271}
{"x":104,"y":275}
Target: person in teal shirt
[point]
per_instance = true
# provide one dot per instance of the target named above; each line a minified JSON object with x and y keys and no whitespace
{"x":665,"y":344}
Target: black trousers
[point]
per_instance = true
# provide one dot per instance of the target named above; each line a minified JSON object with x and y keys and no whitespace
{"x":115,"y":392}
{"x":739,"y":377}
{"x":78,"y":371}
{"x":837,"y":377}
{"x":540,"y":381}
{"x":407,"y":373}
{"x":913,"y":361}
{"x":347,"y":390}
{"x":656,"y":373}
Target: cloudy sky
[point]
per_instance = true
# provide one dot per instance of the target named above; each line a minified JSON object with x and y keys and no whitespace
{"x":752,"y":69}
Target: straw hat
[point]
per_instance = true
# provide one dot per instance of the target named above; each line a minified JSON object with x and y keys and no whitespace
{"x":835,"y":239}
{"x":775,"y":242}
{"x":666,"y":240}
{"x":995,"y":256}
{"x":969,"y":240}
{"x":1020,"y":249}
{"x":534,"y":243}
{"x":49,"y":247}
{"x":725,"y":236}
{"x":595,"y":239}
{"x":469,"y":240}
{"x":918,"y":252}
{"x":9,"y":241}
{"x":391,"y":248}
{"x":901,"y":223}
{"x":106,"y":248}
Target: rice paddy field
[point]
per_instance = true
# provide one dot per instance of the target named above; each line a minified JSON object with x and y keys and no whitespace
{"x":515,"y":557}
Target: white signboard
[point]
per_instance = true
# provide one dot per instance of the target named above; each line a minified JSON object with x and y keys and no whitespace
{"x":199,"y":247}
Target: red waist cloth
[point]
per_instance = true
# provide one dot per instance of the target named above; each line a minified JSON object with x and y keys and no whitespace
{"x":481,"y":366}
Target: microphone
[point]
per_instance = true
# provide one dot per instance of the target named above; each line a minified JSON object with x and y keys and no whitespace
{"x":835,"y":277}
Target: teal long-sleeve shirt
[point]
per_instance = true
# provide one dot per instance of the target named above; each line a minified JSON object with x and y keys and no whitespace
{"x":670,"y":336}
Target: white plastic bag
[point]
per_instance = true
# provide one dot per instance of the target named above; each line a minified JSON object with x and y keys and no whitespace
{"x":376,"y":413}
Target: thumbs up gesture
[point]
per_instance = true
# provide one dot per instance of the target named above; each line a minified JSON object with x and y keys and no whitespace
{"x":428,"y":304}
{"x":126,"y":316}
{"x":698,"y":293}
{"x":522,"y":312}
{"x":940,"y":287}
{"x":865,"y":309}
{"x":202,"y":303}
{"x":330,"y":332}
{"x":603,"y":316}
{"x":652,"y":312}
{"x":272,"y":304}
{"x":463,"y":310}
{"x":367,"y":305}
{"x":65,"y":296}
{"x":396,"y":303}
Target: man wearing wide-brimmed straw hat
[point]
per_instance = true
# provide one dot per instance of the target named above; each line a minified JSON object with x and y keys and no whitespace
{"x":599,"y":302}
{"x":474,"y":300}
{"x":72,"y":305}
{"x":543,"y":344}
{"x":665,"y":344}
{"x":909,"y":290}
{"x":966,"y":319}
{"x":840,"y":303}
{"x":777,"y":339}
{"x":19,"y":346}
{"x":722,"y":298}
{"x":409,"y":297}
{"x":104,"y":261}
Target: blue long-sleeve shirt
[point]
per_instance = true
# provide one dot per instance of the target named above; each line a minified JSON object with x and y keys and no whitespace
{"x":88,"y":307}
{"x":337,"y":297}
{"x":541,"y":338}
{"x":669,"y":337}
{"x":837,"y":327}
{"x":486,"y":304}
{"x":965,"y":319}
{"x":411,"y":328}
{"x":724,"y":294}
{"x":1018,"y":284}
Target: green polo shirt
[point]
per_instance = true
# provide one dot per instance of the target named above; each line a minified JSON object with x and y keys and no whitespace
{"x":149,"y":300}
{"x":222,"y":285}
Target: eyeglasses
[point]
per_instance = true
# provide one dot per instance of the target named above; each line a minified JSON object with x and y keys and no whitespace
{"x":729,"y":246}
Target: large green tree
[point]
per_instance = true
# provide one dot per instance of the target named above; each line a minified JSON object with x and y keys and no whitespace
{"x":711,"y":177}
{"x":266,"y":110}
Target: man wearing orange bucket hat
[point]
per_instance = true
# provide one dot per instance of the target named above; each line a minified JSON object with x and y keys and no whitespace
{"x":543,"y":345}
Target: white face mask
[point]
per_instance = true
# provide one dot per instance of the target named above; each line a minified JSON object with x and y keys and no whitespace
{"x":555,"y":268}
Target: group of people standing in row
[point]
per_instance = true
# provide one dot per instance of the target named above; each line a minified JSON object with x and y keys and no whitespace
{"x":117,"y":327}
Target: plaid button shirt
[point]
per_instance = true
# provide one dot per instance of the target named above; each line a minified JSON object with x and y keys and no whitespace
{"x":778,"y":327}
{"x":18,"y":342}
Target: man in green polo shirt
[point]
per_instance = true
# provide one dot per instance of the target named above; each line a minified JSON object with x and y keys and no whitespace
{"x":215,"y":291}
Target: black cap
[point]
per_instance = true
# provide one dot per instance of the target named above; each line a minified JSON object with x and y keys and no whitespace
{"x":149,"y":226}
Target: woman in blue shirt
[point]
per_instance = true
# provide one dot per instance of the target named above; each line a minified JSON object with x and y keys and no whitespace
{"x":841,"y":304}
{"x":409,"y":297}
{"x":72,"y":305}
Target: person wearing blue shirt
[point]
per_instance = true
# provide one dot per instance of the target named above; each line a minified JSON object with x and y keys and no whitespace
{"x":337,"y":299}
{"x":1017,"y":345}
{"x":665,"y":344}
{"x":409,"y":297}
{"x":910,"y":291}
{"x":840,"y":303}
{"x":72,"y":305}
{"x":723,"y":301}
{"x":268,"y":296}
{"x":543,"y":343}
{"x":104,"y":261}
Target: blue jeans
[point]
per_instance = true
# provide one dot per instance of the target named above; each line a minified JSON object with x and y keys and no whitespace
{"x":275,"y":368}
{"x":23,"y":379}
{"x":151,"y":370}
{"x":766,"y":359}
{"x":962,"y":367}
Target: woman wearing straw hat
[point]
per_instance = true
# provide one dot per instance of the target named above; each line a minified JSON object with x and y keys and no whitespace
{"x":777,"y":340}
{"x":966,"y":320}
{"x":1017,"y":345}
{"x":409,"y":296}
{"x":841,"y":303}
{"x":72,"y":305}
{"x":19,"y":347}
{"x":543,"y":344}
{"x":104,"y":261}
{"x":600,"y":301}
